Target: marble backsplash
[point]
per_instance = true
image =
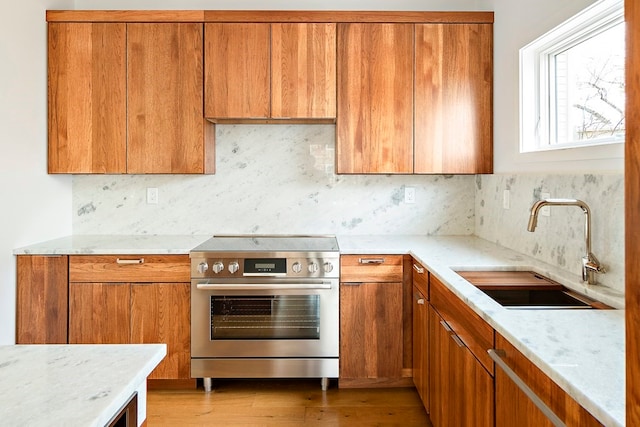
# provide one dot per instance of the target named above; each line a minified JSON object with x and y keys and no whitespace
{"x":274,"y":179}
{"x":280,"y":179}
{"x":559,"y":238}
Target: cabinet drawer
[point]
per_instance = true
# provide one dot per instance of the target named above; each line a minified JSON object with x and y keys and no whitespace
{"x":476,"y":334}
{"x":371,"y":268}
{"x":129,"y":268}
{"x":420,"y":278}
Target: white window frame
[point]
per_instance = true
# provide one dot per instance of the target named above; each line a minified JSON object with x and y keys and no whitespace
{"x":535,"y":80}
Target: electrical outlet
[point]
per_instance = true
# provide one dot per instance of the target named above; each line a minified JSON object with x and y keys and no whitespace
{"x":409,"y":195}
{"x":546,"y":210}
{"x":152,"y":196}
{"x":506,"y":199}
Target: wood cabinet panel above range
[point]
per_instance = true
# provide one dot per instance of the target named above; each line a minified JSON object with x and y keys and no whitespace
{"x":261,"y":72}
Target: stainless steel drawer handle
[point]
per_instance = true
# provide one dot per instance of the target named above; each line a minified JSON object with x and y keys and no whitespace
{"x":446,"y":326}
{"x":417,"y":268}
{"x":265,"y":287}
{"x":457,"y":340}
{"x":419,"y":298}
{"x":129,"y":261}
{"x":496,"y":357}
{"x":371,"y":260}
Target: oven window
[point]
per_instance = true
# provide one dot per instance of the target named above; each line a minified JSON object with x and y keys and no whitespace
{"x":265,"y":317}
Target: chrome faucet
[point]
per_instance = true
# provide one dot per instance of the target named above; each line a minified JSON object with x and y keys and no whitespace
{"x":590,"y":264}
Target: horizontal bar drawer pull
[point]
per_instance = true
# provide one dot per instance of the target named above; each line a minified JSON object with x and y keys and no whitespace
{"x":446,"y":326}
{"x":265,"y":287}
{"x":457,"y":340}
{"x":418,"y":268}
{"x":371,"y":260}
{"x":496,"y":357}
{"x":129,"y":261}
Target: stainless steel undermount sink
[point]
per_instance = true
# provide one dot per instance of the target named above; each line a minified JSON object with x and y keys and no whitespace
{"x":528,"y":290}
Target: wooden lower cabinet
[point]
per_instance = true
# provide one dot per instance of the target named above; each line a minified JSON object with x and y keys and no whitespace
{"x":371,"y":339}
{"x":421,"y":345}
{"x":41,"y":299}
{"x":461,"y":388}
{"x":135,"y":313}
{"x":161,"y":313}
{"x":99,"y":313}
{"x":513,"y":407}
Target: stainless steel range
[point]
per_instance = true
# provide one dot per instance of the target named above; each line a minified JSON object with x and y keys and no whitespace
{"x":265,"y":307}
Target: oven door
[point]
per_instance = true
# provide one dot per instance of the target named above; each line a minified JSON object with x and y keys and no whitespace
{"x":264,"y":318}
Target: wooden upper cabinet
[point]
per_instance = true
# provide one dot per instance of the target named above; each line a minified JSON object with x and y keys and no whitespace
{"x":127,"y":98}
{"x":237,"y":72}
{"x":165,"y":105}
{"x":374,"y":125}
{"x":453,"y":98}
{"x":303,"y":71}
{"x":270,"y":71}
{"x":87,"y":97}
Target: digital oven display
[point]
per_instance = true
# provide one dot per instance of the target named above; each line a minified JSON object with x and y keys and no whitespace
{"x":267,"y":266}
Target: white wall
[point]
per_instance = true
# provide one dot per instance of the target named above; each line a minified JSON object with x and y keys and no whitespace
{"x":517,"y":23}
{"x":35,"y":206}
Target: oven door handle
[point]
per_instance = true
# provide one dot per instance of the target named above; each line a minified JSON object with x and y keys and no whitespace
{"x":266,"y":286}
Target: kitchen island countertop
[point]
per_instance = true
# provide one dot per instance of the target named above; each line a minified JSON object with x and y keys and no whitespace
{"x":73,"y":385}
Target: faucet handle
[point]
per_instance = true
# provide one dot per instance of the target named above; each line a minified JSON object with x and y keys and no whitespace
{"x":591,"y":263}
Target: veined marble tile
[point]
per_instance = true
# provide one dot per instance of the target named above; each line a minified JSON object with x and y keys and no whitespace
{"x":559,"y":238}
{"x":274,"y":179}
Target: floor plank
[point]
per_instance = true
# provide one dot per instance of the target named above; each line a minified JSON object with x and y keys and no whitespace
{"x":270,"y":403}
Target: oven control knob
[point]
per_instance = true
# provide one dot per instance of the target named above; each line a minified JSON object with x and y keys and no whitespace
{"x":202,"y":267}
{"x":233,"y":267}
{"x":296,"y":267}
{"x":217,"y":267}
{"x":313,"y":267}
{"x":328,"y":267}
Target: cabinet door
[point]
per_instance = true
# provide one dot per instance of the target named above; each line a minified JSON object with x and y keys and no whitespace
{"x":87,"y":98}
{"x":513,"y":407}
{"x":160,"y":313}
{"x":374,"y":124}
{"x":453,"y":105}
{"x":303,"y":71}
{"x":41,"y":299}
{"x":99,"y":313}
{"x":237,"y":74}
{"x":165,"y":98}
{"x":461,"y":390}
{"x":421,"y":346}
{"x":370,"y":331}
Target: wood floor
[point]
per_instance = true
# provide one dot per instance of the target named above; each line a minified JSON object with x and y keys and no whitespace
{"x":262,"y":403}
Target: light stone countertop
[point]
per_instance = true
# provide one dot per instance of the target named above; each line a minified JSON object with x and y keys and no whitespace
{"x":114,"y":244}
{"x":583,"y":351}
{"x":73,"y":385}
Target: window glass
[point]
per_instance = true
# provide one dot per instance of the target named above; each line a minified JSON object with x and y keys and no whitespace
{"x":572,"y":82}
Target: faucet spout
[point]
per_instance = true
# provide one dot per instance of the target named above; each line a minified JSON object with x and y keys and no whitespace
{"x":590,"y":264}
